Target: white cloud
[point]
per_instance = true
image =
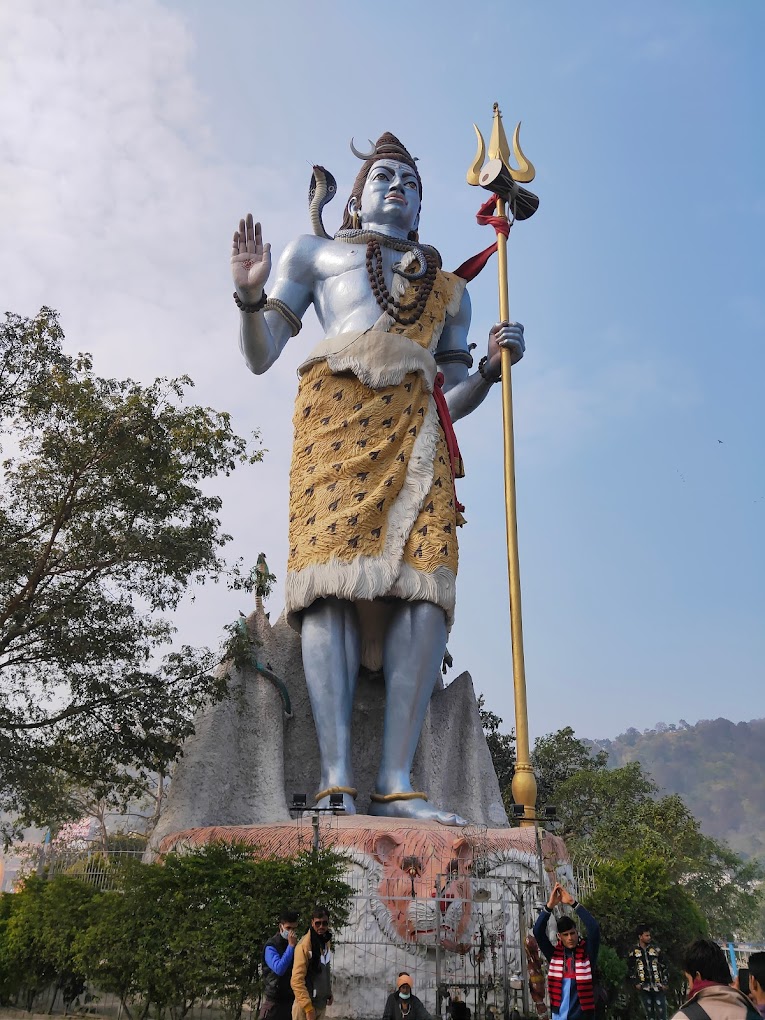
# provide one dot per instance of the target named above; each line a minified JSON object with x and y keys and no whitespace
{"x":117,"y":210}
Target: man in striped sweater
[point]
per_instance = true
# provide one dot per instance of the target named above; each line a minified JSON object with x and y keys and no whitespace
{"x":572,"y":960}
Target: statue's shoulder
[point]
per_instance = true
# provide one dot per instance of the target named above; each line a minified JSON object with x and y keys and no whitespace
{"x":303,"y":257}
{"x":306,"y":246}
{"x":309,"y":253}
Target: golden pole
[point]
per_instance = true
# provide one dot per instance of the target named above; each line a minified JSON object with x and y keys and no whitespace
{"x":502,"y":180}
{"x":524,"y":785}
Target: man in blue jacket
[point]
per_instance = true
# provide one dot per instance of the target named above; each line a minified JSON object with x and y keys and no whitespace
{"x":570,"y":977}
{"x":278,"y":956}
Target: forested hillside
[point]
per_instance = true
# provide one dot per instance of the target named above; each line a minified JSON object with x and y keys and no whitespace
{"x":718,"y":767}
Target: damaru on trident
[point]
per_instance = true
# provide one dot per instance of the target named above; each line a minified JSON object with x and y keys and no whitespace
{"x":373,"y":509}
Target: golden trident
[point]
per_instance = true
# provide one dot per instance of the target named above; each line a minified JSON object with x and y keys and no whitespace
{"x":501,"y":179}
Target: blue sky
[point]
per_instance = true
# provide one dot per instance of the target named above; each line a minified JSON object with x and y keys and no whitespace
{"x":135,"y":134}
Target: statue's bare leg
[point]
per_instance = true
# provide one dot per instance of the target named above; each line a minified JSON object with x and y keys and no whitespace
{"x":331,"y":642}
{"x":414,"y":647}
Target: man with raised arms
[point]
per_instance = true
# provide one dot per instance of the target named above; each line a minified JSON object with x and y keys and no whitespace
{"x":373,"y":509}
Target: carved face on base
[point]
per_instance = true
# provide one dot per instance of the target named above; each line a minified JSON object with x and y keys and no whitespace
{"x":426,"y":889}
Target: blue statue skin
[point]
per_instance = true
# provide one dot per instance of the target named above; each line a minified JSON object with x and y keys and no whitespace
{"x":332,"y":276}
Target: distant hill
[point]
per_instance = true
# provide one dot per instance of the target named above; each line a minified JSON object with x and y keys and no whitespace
{"x":718,"y":767}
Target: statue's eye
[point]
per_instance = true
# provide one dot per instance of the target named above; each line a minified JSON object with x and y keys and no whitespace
{"x":380,"y":176}
{"x":411,"y":184}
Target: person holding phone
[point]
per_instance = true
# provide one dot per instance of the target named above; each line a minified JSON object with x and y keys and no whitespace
{"x":570,"y":977}
{"x":278,"y":956}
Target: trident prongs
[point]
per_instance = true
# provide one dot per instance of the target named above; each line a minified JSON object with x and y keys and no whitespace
{"x":500,"y":149}
{"x":525,"y":171}
{"x":475,"y":167}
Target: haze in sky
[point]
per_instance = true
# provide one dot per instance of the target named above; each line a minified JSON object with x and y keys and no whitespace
{"x":133,"y":135}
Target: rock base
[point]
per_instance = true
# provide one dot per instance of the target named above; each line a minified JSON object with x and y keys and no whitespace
{"x":247,"y":758}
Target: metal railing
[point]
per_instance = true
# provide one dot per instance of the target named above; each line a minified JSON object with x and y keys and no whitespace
{"x":100,"y":868}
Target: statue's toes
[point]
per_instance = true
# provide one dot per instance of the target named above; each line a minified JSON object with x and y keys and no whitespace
{"x":415,"y":808}
{"x":449,"y":818}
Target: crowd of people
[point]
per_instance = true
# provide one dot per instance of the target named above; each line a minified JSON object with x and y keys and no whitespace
{"x":711,"y":992}
{"x":298,"y":975}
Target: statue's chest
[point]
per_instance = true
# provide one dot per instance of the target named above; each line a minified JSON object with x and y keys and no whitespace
{"x":353,"y":262}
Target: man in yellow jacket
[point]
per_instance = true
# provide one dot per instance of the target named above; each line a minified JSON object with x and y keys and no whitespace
{"x":311,"y":971}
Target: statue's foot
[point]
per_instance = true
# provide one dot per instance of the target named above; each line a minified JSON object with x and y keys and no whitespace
{"x":409,"y":806}
{"x":348,"y":793}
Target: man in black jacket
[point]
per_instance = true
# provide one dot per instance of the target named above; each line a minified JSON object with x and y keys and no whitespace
{"x":648,"y":973}
{"x":278,"y":956}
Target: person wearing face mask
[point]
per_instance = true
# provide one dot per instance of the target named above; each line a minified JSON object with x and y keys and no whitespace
{"x":311,"y":971}
{"x":402,"y":1004}
{"x":278,"y":957}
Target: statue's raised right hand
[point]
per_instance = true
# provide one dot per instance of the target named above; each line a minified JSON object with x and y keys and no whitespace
{"x":250,"y":260}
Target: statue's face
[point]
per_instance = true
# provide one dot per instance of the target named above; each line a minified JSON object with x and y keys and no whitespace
{"x":391,"y":195}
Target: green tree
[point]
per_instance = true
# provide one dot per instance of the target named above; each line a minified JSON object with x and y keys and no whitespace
{"x":612,"y":970}
{"x":558,"y":756}
{"x":502,"y":749}
{"x":613,"y":813}
{"x":43,"y":922}
{"x":23,"y":951}
{"x":105,"y":519}
{"x":8,"y":973}
{"x":193,"y":926}
{"x":637,"y":888}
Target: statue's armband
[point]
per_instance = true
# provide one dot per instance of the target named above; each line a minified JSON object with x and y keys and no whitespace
{"x":449,"y":357}
{"x":292,"y":320}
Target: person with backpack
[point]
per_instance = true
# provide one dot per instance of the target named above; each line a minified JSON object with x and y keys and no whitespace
{"x":711,"y":995}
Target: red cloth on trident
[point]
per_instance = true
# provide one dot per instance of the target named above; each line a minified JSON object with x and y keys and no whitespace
{"x":455,"y":457}
{"x":473,"y":266}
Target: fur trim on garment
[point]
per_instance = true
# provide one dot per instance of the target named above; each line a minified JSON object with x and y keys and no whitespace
{"x":376,"y":358}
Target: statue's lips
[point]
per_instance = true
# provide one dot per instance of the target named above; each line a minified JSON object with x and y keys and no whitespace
{"x":395,"y":198}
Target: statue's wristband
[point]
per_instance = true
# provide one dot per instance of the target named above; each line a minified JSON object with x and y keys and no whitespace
{"x":256,"y":307}
{"x":482,"y":372}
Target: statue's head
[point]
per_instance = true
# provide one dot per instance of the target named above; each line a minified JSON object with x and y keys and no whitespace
{"x":387,"y":168}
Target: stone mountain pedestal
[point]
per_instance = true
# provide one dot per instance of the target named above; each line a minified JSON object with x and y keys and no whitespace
{"x":247,"y":757}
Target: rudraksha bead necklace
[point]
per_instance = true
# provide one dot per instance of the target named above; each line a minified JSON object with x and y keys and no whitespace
{"x":404,"y":313}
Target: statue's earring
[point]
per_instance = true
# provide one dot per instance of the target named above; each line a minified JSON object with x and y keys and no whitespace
{"x":355,"y":219}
